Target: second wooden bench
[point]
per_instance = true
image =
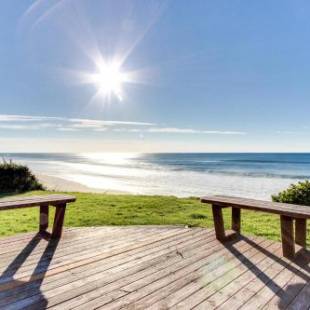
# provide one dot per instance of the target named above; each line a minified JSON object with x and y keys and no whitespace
{"x":288,"y":214}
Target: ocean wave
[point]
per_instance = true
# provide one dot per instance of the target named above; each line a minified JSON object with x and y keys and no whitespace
{"x":263,"y":161}
{"x":273,"y":166}
{"x":260,"y":175}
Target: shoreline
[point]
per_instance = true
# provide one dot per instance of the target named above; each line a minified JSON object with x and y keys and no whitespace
{"x":187,"y":175}
{"x":62,"y":185}
{"x":59,"y":184}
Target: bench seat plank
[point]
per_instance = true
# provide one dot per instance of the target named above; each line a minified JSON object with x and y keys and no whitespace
{"x":295,"y":211}
{"x":31,"y":201}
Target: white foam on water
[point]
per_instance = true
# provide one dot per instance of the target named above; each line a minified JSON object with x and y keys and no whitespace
{"x":125,"y":173}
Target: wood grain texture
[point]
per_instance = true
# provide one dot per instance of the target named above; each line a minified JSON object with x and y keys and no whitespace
{"x":43,"y":218}
{"x":150,"y":267}
{"x":218,"y":222}
{"x":33,"y":201}
{"x":235,"y":219}
{"x":301,"y":232}
{"x":287,"y":236}
{"x":296,"y":211}
{"x":59,"y":220}
{"x":288,"y":213}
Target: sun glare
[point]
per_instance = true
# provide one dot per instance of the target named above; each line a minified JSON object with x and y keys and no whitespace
{"x":109,"y":79}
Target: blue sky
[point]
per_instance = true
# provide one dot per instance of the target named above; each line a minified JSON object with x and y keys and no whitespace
{"x":209,"y":75}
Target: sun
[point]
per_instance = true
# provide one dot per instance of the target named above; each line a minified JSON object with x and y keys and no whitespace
{"x":109,"y":79}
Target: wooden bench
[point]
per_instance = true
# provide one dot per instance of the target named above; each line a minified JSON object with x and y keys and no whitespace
{"x":288,"y":214}
{"x":58,"y":201}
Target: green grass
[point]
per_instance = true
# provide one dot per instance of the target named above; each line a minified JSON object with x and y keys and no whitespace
{"x":103,"y":209}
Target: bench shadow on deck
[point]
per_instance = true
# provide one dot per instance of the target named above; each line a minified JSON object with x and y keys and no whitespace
{"x":157,"y":267}
{"x":7,"y":277}
{"x":299,"y":266}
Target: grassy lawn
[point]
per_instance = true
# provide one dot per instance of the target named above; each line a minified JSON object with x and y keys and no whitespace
{"x":103,"y":209}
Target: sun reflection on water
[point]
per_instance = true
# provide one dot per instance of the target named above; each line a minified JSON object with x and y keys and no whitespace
{"x":111,"y":158}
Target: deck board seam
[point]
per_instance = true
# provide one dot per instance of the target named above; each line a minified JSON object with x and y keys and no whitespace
{"x":164,"y":245}
{"x":231,"y":258}
{"x":103,"y":271}
{"x":254,"y":252}
{"x":106,"y":270}
{"x":62,"y":249}
{"x":219,"y":250}
{"x":262,"y":261}
{"x":103,"y":252}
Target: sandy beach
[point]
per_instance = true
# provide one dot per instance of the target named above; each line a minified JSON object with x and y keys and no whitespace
{"x":58,"y":184}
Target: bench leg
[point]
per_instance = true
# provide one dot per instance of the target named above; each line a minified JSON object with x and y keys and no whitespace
{"x":218,"y":223}
{"x":235,"y":219}
{"x":287,"y":233}
{"x":300,"y":232}
{"x":58,"y":221}
{"x":43,"y":218}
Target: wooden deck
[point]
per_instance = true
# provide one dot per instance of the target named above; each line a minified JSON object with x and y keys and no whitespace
{"x":149,"y":267}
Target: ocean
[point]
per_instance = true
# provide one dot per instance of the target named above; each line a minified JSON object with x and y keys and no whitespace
{"x":253,"y":175}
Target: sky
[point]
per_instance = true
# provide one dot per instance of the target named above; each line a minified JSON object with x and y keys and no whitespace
{"x":191,"y":76}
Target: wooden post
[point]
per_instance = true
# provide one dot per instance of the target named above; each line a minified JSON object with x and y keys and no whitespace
{"x":58,"y":221}
{"x":301,"y":231}
{"x":43,"y":218}
{"x":287,"y":232}
{"x":218,"y":222}
{"x":235,"y":219}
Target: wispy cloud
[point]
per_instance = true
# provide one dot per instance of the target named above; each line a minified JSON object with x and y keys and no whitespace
{"x":292,"y":132}
{"x":35,"y":118}
{"x":194,"y":131}
{"x":173,"y":130}
{"x":88,"y":123}
{"x":66,"y":129}
{"x":27,"y":118}
{"x":17,"y":127}
{"x":63,"y":124}
{"x":30,"y":122}
{"x":27,"y":126}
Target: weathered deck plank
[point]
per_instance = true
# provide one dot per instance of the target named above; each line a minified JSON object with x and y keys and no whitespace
{"x":208,"y":274}
{"x":231,"y":296}
{"x":151,"y":267}
{"x":118,"y":261}
{"x":223,"y":275}
{"x":90,"y":255}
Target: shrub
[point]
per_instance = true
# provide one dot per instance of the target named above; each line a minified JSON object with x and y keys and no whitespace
{"x":15,"y":178}
{"x":297,"y":194}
